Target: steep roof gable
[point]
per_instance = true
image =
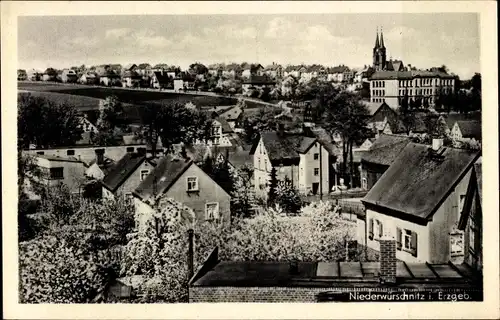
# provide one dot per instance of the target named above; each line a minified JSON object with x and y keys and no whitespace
{"x":385,"y":149}
{"x":419,"y":180}
{"x":121,"y":170}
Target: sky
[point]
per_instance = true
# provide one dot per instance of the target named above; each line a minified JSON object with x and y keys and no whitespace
{"x":420,"y":39}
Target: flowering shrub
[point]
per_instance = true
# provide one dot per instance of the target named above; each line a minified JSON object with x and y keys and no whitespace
{"x":51,"y":271}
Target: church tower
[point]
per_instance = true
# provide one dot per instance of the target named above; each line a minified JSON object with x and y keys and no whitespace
{"x":379,"y":53}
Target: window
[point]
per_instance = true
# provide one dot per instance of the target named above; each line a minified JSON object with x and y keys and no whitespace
{"x":192,"y":183}
{"x":259,"y":167}
{"x":212,"y":211}
{"x":57,"y":173}
{"x":130,"y":149}
{"x":70,"y":152}
{"x":316,"y":171}
{"x":407,"y":241}
{"x":316,"y":156}
{"x":40,"y":153}
{"x":370,"y":229}
{"x":144,"y":174}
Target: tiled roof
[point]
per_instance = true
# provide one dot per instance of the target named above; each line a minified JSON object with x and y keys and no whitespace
{"x":326,"y":140}
{"x":162,"y":78}
{"x":120,"y":172}
{"x":281,"y":146}
{"x":106,"y":166}
{"x":226,"y":128}
{"x":372,"y":106}
{"x":470,"y":129}
{"x":164,"y":175}
{"x":231,"y":114}
{"x":385,"y":149}
{"x":451,"y":118}
{"x":392,"y":75}
{"x":240,"y":158}
{"x":339,"y":69}
{"x":419,"y":180}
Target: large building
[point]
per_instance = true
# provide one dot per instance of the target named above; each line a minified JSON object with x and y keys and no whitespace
{"x":392,"y":80}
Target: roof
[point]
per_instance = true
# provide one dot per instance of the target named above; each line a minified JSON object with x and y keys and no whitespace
{"x":131,"y":74}
{"x":393,"y":75}
{"x":255,"y":79}
{"x":58,"y":158}
{"x":198,"y":152}
{"x":339,"y":69}
{"x":164,"y":175}
{"x":327,"y":274}
{"x":231,"y":114}
{"x":372,"y":106}
{"x":226,"y":128}
{"x":106,"y":166}
{"x":162,"y":78}
{"x":385,"y":149}
{"x":122,"y":169}
{"x":239,"y":158}
{"x":475,"y":184}
{"x":280,"y":147}
{"x":419,"y":180}
{"x":325,"y":139}
{"x":479,"y":179}
{"x":451,"y":118}
{"x":470,"y":128}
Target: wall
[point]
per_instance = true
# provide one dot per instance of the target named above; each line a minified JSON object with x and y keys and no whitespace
{"x":134,"y":179}
{"x":87,"y":154}
{"x":209,"y":191}
{"x":94,"y":172}
{"x":372,"y":173}
{"x":306,"y":170}
{"x":261,"y":170}
{"x":73,"y":173}
{"x":443,"y":221}
{"x":390,"y":225}
{"x":474,"y":259}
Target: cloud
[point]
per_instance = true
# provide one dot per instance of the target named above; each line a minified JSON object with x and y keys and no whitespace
{"x":278,"y":28}
{"x":118,"y":33}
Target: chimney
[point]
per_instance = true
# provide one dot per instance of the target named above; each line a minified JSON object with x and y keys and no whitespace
{"x":437,"y":144}
{"x":99,"y":156}
{"x":190,"y":253}
{"x":387,"y":260}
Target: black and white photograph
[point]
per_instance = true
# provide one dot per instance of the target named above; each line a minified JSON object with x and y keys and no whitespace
{"x":274,"y":158}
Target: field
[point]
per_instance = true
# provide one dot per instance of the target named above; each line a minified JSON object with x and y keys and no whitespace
{"x":86,"y":98}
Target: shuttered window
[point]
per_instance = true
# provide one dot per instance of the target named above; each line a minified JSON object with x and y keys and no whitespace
{"x":407,"y":240}
{"x":380,"y":229}
{"x":370,"y":229}
{"x":399,"y":234}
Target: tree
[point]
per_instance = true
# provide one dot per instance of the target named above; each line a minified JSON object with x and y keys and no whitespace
{"x":198,"y":68}
{"x":406,"y":115}
{"x":111,"y":118}
{"x":273,"y":186}
{"x":346,"y":116}
{"x":287,"y":197}
{"x":173,"y":124}
{"x":242,"y":196}
{"x":46,"y":124}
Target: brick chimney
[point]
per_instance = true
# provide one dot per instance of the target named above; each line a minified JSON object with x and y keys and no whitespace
{"x":387,"y":260}
{"x":99,"y":156}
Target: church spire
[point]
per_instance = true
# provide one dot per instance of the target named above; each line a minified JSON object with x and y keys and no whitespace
{"x":382,"y":38}
{"x":377,"y":43}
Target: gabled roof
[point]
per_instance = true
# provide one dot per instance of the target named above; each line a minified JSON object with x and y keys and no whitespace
{"x":164,"y":175}
{"x":106,"y":166}
{"x":162,"y":78}
{"x":451,"y":118}
{"x":474,"y":190}
{"x":231,"y":114}
{"x":403,"y":75}
{"x":419,"y":180}
{"x":385,"y":149}
{"x":470,"y":129}
{"x":284,"y":146}
{"x":372,"y":106}
{"x":325,"y":139}
{"x":122,"y":169}
{"x":239,"y":158}
{"x":479,"y":179}
{"x":339,"y":69}
{"x":226,"y":128}
{"x":255,"y":79}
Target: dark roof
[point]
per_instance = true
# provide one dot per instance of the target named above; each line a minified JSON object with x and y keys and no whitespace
{"x":255,"y":79}
{"x":131,"y":74}
{"x":475,"y":184}
{"x":419,"y":180}
{"x":226,"y":128}
{"x":372,"y":106}
{"x":327,"y":274}
{"x":281,"y":146}
{"x":106,"y":166}
{"x":162,"y":78}
{"x":325,"y":138}
{"x":164,"y":175}
{"x":470,"y":129}
{"x":239,"y":158}
{"x":451,"y":118}
{"x":479,"y":179}
{"x":339,"y":69}
{"x":385,"y":149}
{"x":120,"y":172}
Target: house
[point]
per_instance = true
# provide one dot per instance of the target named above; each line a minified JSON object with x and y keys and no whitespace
{"x":34,"y":75}
{"x":86,"y":125}
{"x":471,"y":219}
{"x":418,"y":202}
{"x":257,"y":82}
{"x":236,"y":159}
{"x":232,"y":115}
{"x":89,"y":78}
{"x":184,"y":82}
{"x":108,"y":78}
{"x":274,"y":71}
{"x":466,"y":130}
{"x":340,"y":74}
{"x":22,"y":75}
{"x":252,"y":70}
{"x":383,"y":152}
{"x":126,"y":175}
{"x":49,"y":75}
{"x":131,"y":79}
{"x":161,"y":80}
{"x":336,"y":281}
{"x":380,"y":115}
{"x":220,"y":133}
{"x":232,"y":71}
{"x":67,"y":170}
{"x":183,"y":181}
{"x":303,"y":160}
{"x":69,"y":76}
{"x":451,"y":118}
